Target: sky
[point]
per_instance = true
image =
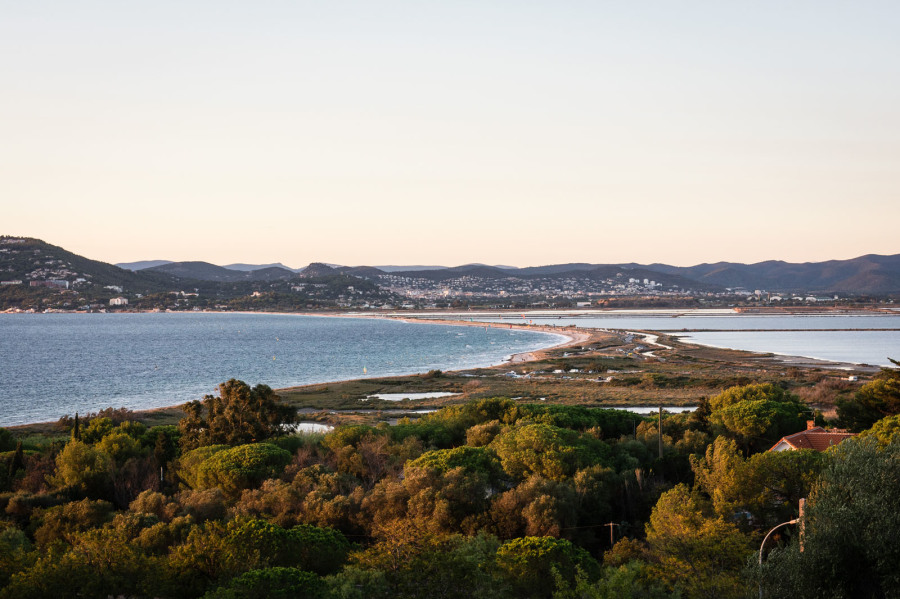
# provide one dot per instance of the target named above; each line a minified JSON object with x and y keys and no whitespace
{"x":502,"y":132}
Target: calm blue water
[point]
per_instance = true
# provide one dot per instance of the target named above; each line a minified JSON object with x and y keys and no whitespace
{"x":56,"y":364}
{"x":851,"y":338}
{"x":858,"y":347}
{"x":732,"y":321}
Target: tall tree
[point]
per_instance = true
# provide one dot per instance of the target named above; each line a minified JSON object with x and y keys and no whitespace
{"x":239,"y":414}
{"x":694,"y":551}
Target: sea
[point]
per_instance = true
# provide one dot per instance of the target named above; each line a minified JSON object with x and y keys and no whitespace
{"x":57,"y":364}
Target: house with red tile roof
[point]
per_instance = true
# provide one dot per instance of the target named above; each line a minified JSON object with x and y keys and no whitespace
{"x":814,"y":437}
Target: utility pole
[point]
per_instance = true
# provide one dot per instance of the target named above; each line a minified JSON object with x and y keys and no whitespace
{"x":612,"y":541}
{"x":659,"y":429}
{"x":802,"y":522}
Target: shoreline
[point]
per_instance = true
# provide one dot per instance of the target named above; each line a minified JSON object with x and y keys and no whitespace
{"x":571,"y":335}
{"x":510,"y":312}
{"x":790,"y":359}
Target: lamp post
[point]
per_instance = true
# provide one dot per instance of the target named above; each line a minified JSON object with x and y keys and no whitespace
{"x":763,"y":544}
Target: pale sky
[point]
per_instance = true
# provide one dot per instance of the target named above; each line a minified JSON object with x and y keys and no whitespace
{"x":419,"y":132}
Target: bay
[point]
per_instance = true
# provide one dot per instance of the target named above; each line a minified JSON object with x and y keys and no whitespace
{"x":57,"y":364}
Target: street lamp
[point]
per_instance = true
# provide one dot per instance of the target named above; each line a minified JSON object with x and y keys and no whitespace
{"x":763,"y":544}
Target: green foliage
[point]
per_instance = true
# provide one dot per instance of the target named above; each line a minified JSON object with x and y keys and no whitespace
{"x":459,"y":568}
{"x":536,"y":507}
{"x":447,"y":502}
{"x":133,"y":429}
{"x":410,"y":563}
{"x":851,"y":547}
{"x":14,"y":550}
{"x":461,"y":417}
{"x":544,"y":478}
{"x":768,"y":485}
{"x":432,"y":433}
{"x":874,"y":401}
{"x":84,"y":468}
{"x":634,"y":580}
{"x":756,"y":416}
{"x":120,"y":446}
{"x":163,"y":442}
{"x":760,"y":423}
{"x":97,"y":429}
{"x":271,"y":583}
{"x":753,"y":392}
{"x":693,"y":551}
{"x":348,"y":435}
{"x":242,"y":467}
{"x":100,"y":563}
{"x":239,"y":414}
{"x":216,"y":551}
{"x":529,"y":564}
{"x":7,"y":441}
{"x":64,"y":521}
{"x":885,"y":430}
{"x":189,"y":464}
{"x":611,"y":423}
{"x":473,"y":459}
{"x":320,"y":550}
{"x":549,"y":451}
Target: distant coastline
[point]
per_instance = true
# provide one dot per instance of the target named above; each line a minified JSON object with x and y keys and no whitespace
{"x":143,"y":378}
{"x":565,"y":336}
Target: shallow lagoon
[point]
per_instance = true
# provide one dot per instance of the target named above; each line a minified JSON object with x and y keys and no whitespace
{"x":857,"y":339}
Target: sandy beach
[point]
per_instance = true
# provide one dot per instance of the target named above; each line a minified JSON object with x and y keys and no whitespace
{"x":573,"y":335}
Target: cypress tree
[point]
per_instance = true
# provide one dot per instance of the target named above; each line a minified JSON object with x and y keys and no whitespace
{"x":18,"y":461}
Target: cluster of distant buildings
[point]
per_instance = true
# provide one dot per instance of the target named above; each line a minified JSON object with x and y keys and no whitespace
{"x":468,"y":286}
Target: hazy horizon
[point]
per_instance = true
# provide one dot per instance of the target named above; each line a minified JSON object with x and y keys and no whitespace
{"x":496,"y":132}
{"x":412,"y":263}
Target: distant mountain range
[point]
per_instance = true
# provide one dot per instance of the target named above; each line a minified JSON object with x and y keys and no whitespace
{"x":867,"y":275}
{"x":144,"y":264}
{"x":204,"y":271}
{"x":31,"y":260}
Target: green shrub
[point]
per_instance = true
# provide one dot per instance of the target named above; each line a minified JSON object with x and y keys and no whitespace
{"x":271,"y":583}
{"x":242,"y":467}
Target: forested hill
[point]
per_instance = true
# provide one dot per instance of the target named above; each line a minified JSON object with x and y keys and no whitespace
{"x":26,"y":259}
{"x":204,"y":271}
{"x":36,"y":275}
{"x":870,"y":274}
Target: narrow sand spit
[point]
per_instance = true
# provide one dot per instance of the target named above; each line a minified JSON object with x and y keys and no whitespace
{"x":573,"y":335}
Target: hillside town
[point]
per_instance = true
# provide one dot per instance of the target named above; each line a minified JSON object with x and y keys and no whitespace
{"x":36,"y":276}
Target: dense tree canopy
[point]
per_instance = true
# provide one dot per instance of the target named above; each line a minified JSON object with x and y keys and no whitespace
{"x":488,"y":499}
{"x":756,"y":416}
{"x":239,"y":414}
